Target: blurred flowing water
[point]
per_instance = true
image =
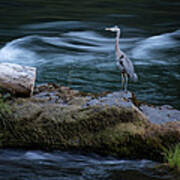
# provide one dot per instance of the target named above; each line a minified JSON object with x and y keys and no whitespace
{"x":67,"y":43}
{"x":38,"y":165}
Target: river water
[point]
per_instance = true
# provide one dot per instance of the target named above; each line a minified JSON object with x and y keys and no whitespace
{"x":67,"y":43}
{"x":38,"y":165}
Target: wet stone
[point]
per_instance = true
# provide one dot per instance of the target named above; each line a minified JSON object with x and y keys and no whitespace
{"x":120,"y":98}
{"x":160,"y":114}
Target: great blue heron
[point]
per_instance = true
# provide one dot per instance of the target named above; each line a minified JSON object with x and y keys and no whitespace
{"x":124,"y":64}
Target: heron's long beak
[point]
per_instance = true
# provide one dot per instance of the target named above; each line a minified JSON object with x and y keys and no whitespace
{"x":107,"y":29}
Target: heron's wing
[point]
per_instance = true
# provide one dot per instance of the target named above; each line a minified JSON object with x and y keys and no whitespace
{"x":127,"y":65}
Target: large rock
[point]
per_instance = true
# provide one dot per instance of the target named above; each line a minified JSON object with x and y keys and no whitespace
{"x":110,"y":124}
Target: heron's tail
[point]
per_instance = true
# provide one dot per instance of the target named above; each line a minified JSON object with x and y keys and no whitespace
{"x":134,"y":77}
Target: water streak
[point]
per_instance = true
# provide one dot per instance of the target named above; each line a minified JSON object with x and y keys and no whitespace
{"x":64,"y":165}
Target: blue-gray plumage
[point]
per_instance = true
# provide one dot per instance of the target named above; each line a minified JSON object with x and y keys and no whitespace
{"x":123,"y":62}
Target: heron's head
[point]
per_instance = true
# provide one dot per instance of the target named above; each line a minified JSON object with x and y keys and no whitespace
{"x":113,"y":29}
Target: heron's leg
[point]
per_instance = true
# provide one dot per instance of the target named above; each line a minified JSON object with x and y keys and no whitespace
{"x":122,"y":81}
{"x":126,"y":82}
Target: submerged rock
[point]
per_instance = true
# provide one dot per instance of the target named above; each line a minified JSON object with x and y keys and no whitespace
{"x":110,"y":124}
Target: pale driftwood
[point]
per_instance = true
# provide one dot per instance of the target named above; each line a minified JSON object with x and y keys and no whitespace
{"x":18,"y":80}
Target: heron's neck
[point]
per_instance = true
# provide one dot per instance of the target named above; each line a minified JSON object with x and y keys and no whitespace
{"x":117,"y":43}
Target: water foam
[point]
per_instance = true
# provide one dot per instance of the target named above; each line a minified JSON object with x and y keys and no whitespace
{"x":17,"y":52}
{"x":152,"y":49}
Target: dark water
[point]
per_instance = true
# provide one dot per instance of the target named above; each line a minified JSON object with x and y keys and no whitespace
{"x":37,"y":165}
{"x":67,"y":43}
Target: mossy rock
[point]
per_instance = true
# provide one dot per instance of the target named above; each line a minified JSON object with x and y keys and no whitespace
{"x":108,"y":130}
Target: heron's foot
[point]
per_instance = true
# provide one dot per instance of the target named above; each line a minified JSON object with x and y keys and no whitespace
{"x":124,"y":90}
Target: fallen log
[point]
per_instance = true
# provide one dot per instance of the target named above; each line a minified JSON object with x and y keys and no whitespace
{"x":16,"y":79}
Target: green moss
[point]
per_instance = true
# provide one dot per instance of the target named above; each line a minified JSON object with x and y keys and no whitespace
{"x":5,"y":111}
{"x":4,"y":108}
{"x":118,"y":131}
{"x":172,"y":156}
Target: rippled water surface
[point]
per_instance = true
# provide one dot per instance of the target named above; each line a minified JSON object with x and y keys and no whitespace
{"x":67,"y":43}
{"x":38,"y":165}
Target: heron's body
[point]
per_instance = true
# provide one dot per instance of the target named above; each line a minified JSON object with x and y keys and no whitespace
{"x":123,"y":62}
